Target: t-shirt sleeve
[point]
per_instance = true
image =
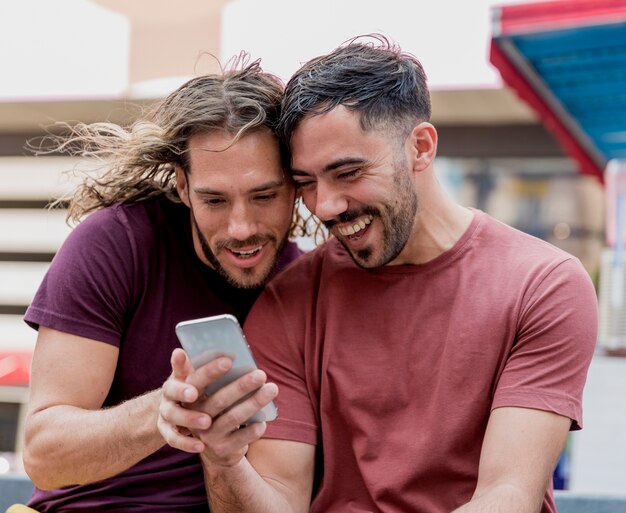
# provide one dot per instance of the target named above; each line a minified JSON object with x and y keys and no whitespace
{"x":556,"y":337}
{"x":87,"y":288}
{"x":279,"y":350}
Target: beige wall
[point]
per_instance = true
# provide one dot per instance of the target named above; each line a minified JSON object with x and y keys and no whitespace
{"x":166,"y":42}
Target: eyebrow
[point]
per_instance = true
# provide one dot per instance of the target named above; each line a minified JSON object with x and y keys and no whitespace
{"x":273,"y":184}
{"x":336,"y":164}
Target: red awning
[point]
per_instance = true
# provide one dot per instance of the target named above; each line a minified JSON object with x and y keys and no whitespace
{"x":15,"y":368}
{"x":567,"y":60}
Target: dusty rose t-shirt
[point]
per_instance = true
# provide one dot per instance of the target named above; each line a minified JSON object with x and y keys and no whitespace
{"x":393,"y":372}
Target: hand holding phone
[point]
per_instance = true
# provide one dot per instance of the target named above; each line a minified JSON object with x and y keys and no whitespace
{"x":221,"y":335}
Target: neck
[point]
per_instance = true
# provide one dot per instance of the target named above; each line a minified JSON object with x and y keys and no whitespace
{"x":439,"y":224}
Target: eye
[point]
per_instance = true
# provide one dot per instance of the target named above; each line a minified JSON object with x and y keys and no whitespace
{"x":269,"y":196}
{"x":302,"y":184}
{"x":348,"y":174}
{"x":214,"y":202}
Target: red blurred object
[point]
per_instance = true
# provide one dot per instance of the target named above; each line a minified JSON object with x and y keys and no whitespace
{"x":15,"y":368}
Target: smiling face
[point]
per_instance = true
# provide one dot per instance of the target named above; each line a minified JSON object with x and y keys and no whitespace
{"x":240,"y":202}
{"x":359,"y":183}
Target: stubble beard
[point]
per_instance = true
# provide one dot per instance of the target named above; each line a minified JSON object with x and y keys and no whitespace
{"x":249,"y":281}
{"x":397,"y":221}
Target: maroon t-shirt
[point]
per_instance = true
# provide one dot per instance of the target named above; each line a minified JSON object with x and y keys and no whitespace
{"x":393,"y":372}
{"x":126,"y":276}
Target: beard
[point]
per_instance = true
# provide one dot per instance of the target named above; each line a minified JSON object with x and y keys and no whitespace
{"x":250,"y":277}
{"x":397,"y":219}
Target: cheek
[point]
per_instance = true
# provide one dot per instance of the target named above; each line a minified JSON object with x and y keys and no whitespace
{"x":210,"y":224}
{"x":279,"y":216}
{"x":309,"y":199}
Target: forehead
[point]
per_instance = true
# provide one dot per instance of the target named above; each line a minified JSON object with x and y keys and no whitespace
{"x":215,"y":159}
{"x":321,"y":139}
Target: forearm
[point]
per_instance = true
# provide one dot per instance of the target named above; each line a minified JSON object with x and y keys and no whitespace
{"x":240,"y":489}
{"x":66,"y":445}
{"x":502,"y":498}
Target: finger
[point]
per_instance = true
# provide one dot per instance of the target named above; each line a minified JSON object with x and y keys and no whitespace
{"x":176,"y":414}
{"x":186,"y":384}
{"x":177,"y":390}
{"x":181,"y":365}
{"x":208,"y":373}
{"x":249,"y":434}
{"x":236,"y":416}
{"x":176,"y":439}
{"x":234,"y":392}
{"x":234,"y":447}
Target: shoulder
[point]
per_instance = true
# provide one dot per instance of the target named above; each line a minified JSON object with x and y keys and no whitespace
{"x":521,"y":270}
{"x":551,"y":278}
{"x":138,"y":223}
{"x":519,"y":250}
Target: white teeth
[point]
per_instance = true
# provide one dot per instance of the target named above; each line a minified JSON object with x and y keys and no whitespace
{"x":246,"y":254}
{"x":357,"y":227}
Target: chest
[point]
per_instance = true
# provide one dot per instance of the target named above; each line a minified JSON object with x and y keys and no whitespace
{"x":411,"y":343}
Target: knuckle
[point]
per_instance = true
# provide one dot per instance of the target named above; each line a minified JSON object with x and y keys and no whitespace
{"x":166,"y":389}
{"x":243,"y":386}
{"x":221,"y":452}
{"x":212,"y":370}
{"x":165,"y":411}
{"x":233,"y":417}
{"x":259,"y":399}
{"x":218,"y":403}
{"x":168,"y":435}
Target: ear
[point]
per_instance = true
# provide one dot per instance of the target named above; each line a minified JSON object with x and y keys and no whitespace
{"x":182,"y":187}
{"x":423,"y":145}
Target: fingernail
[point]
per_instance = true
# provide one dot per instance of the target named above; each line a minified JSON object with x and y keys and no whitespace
{"x":223,"y":363}
{"x":197,"y":448}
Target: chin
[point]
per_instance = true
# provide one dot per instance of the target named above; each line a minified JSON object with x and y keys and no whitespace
{"x":249,"y":278}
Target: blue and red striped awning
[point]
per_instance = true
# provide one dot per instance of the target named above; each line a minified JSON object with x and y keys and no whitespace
{"x":567,"y":60}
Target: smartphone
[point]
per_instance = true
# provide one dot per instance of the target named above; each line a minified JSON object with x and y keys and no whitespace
{"x":221,"y":335}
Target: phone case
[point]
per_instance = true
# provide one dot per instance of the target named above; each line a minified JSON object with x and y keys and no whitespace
{"x":211,"y":337}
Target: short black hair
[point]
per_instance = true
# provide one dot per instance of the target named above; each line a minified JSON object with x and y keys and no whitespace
{"x":385,"y":86}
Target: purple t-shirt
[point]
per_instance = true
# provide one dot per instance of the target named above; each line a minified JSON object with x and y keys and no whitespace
{"x":126,"y":276}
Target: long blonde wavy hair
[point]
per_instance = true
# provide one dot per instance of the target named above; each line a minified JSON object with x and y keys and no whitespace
{"x":138,"y":162}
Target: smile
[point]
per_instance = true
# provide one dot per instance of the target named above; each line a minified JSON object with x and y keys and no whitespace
{"x":356,"y":227}
{"x":249,"y":253}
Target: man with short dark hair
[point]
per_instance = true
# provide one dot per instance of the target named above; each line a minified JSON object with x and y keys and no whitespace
{"x":434,"y":357}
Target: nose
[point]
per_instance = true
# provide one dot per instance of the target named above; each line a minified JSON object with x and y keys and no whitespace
{"x":242,"y":223}
{"x":329,"y":202}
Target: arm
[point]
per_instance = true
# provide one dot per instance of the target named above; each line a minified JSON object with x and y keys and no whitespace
{"x":519,"y":453}
{"x":242,"y":473}
{"x":69,"y":439}
{"x":276,"y":477}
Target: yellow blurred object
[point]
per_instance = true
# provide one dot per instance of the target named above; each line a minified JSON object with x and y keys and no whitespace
{"x":20,"y":508}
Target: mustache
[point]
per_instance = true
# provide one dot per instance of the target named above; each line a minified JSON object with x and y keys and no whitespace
{"x":350,"y":215}
{"x":255,"y":240}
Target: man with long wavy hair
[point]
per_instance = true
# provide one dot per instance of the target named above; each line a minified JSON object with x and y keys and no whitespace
{"x":190,"y":218}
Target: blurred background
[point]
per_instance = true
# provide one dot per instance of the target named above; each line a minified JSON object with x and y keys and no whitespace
{"x":513,"y":148}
